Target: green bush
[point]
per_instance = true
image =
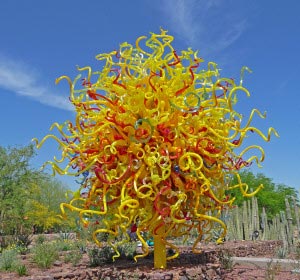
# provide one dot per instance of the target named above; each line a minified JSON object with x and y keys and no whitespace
{"x":40,"y":239}
{"x":64,"y":245}
{"x":282,"y":252}
{"x":128,"y":250}
{"x":5,"y":242}
{"x":21,"y":270}
{"x":45,"y":254}
{"x":73,"y":257}
{"x":99,"y":256}
{"x":23,"y":242}
{"x":81,"y":245}
{"x":225,"y":257}
{"x":8,"y":260}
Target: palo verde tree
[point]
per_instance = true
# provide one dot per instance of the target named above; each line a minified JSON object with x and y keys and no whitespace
{"x":42,"y":207}
{"x":22,"y":188}
{"x":16,"y":177}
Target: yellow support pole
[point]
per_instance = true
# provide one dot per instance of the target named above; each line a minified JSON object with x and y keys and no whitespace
{"x":160,"y":253}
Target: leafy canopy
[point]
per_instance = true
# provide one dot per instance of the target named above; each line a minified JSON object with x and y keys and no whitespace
{"x":28,"y":197}
{"x":271,"y":197}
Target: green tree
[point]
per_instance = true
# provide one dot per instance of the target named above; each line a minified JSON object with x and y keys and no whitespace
{"x":43,"y":207}
{"x":22,"y":185}
{"x":271,"y":197}
{"x":15,"y":178}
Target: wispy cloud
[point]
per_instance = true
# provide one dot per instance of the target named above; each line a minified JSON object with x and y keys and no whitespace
{"x":205,"y":25}
{"x":21,"y":79}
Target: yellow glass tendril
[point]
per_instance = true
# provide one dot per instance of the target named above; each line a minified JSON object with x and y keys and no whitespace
{"x":155,"y":140}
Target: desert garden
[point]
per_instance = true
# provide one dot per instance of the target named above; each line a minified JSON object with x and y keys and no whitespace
{"x":63,"y":256}
{"x":75,"y":256}
{"x":163,"y":186}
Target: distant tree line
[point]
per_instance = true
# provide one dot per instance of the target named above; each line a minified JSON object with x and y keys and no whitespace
{"x":271,"y":197}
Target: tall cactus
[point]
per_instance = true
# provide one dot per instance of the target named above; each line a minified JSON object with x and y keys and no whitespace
{"x":289,"y":226}
{"x":265,"y":225}
{"x":284,"y":229}
{"x":255,"y":216}
{"x":250,"y":220}
{"x":245,"y":221}
{"x":296,"y":211}
{"x":276,"y":229}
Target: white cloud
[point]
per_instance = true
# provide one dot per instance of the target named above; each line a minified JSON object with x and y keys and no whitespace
{"x":21,"y":79}
{"x":207,"y":25}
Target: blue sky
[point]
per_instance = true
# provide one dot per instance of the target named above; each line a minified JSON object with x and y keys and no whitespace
{"x":42,"y":40}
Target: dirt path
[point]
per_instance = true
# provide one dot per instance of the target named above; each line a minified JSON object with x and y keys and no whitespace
{"x":248,"y":268}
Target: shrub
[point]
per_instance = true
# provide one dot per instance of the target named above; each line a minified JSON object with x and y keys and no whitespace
{"x":81,"y":245}
{"x":45,"y":254}
{"x":73,"y":257}
{"x":272,"y":270}
{"x":99,"y":256}
{"x":128,"y":250}
{"x":5,"y":242}
{"x":282,"y":252}
{"x":64,"y":245}
{"x":40,"y":239}
{"x":225,"y":257}
{"x":24,"y":240}
{"x":8,"y":260}
{"x":21,"y":270}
